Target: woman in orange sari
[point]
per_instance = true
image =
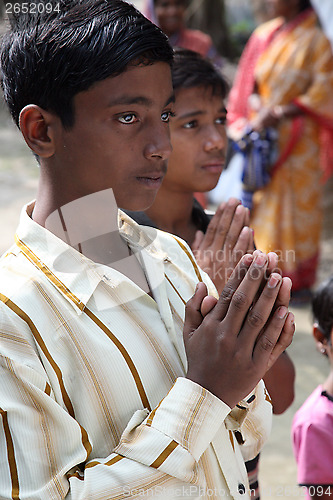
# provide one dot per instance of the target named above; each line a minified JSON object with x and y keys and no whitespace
{"x":285,"y":80}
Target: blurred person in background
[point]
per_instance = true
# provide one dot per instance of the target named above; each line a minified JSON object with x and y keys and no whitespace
{"x":169,"y":15}
{"x":312,"y":427}
{"x":285,"y":80}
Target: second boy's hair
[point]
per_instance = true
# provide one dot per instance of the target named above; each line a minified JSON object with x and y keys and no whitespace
{"x":190,"y":69}
{"x":322,"y":307}
{"x":48,"y":58}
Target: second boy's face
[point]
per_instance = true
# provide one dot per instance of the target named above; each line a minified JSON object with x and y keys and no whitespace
{"x":120,"y":138}
{"x":198,"y":139}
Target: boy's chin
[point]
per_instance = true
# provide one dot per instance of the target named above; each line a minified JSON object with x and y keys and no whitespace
{"x":139,"y":205}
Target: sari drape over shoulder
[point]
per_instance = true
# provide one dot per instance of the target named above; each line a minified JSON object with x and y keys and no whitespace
{"x":290,"y":63}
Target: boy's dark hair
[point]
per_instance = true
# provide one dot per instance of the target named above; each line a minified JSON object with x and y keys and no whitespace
{"x":322,"y":307}
{"x":190,"y":69}
{"x":46,"y":59}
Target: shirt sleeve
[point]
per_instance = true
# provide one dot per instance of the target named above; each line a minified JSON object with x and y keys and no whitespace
{"x":313,"y":451}
{"x":251,"y":421}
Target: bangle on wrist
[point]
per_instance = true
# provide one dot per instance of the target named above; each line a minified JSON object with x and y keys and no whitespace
{"x":278,"y":112}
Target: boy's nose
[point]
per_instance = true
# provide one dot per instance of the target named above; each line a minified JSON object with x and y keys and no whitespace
{"x":215,"y":140}
{"x":159,"y":144}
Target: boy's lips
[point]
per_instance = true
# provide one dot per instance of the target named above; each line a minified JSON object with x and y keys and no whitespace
{"x":215,"y":166}
{"x":152,"y":180}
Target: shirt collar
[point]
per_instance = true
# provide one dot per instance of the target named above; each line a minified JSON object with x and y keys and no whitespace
{"x":73,"y":274}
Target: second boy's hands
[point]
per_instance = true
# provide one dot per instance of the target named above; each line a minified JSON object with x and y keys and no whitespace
{"x":227,"y":239}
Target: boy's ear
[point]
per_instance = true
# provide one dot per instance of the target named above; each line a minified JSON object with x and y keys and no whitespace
{"x":37,"y":127}
{"x":318,"y":335}
{"x":321,"y":341}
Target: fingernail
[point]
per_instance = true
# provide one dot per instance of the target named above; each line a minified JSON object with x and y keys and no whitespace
{"x":260,"y":260}
{"x":274,"y":280}
{"x":282,"y":312}
{"x":247,"y":259}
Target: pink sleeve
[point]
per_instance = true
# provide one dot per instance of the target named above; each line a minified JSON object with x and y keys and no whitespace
{"x":313,"y":449}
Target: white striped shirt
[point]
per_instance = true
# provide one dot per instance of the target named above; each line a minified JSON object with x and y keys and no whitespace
{"x":94,"y":401}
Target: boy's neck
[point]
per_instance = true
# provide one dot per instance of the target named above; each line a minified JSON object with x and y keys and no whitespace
{"x":172,"y":212}
{"x":328,"y":384}
{"x":90,"y":225}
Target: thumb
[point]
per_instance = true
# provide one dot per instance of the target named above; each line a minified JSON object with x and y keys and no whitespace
{"x":199,"y":236}
{"x":208,"y":304}
{"x":193,"y":316}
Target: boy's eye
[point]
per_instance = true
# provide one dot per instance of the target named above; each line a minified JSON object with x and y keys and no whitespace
{"x":165,"y":117}
{"x":128,"y":118}
{"x":190,"y":124}
{"x":221,"y":120}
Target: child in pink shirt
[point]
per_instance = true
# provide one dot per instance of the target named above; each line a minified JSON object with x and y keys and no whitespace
{"x":312,"y":427}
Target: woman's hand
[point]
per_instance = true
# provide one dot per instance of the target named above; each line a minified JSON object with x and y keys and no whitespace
{"x":267,"y":117}
{"x":272,"y":116}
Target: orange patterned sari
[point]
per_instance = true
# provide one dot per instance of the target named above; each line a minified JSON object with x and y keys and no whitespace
{"x":291,"y":63}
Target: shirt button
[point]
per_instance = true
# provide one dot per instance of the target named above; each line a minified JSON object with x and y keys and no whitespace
{"x":241,"y":488}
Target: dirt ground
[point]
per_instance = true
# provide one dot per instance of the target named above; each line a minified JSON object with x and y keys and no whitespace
{"x":18,"y":183}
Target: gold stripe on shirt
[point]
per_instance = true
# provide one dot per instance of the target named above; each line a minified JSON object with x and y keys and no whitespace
{"x":167,"y":366}
{"x":125,"y":355}
{"x":42,"y":267}
{"x":176,"y":317}
{"x":231,"y":437}
{"x":78,"y":474}
{"x":40,"y":342}
{"x":164,"y":455}
{"x":193,"y":416}
{"x":11,"y":456}
{"x":175,"y":289}
{"x":113,"y":460}
{"x":152,"y":414}
{"x":267,"y":397}
{"x":194,"y":264}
